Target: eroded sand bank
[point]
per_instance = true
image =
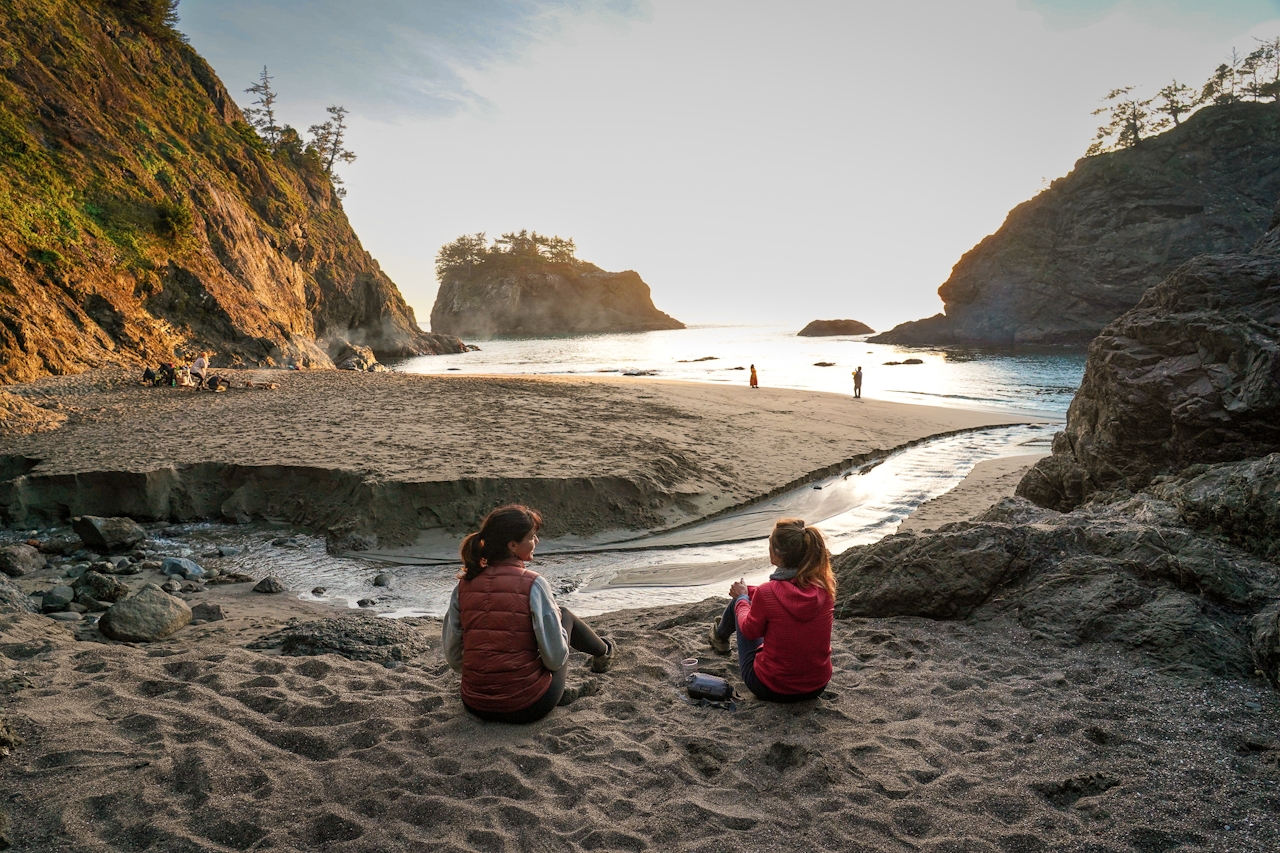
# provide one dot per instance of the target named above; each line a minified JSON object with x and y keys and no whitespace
{"x":393,"y":454}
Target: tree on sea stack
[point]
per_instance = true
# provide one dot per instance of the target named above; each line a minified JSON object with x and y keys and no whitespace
{"x":262,"y":117}
{"x":1128,"y":121}
{"x":526,"y":283}
{"x":328,"y":142}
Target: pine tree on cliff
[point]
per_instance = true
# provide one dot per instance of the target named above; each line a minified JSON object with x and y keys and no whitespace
{"x":154,"y":17}
{"x":1176,"y":100}
{"x":1128,"y":122}
{"x":328,"y":141}
{"x":262,"y":116}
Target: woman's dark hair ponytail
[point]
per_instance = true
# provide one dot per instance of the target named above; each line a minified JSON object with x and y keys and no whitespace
{"x":506,"y":524}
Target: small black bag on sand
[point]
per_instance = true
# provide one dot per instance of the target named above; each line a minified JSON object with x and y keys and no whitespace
{"x":711,"y":687}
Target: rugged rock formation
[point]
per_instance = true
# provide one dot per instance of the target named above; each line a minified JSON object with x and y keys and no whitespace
{"x":142,"y":219}
{"x":544,"y":298}
{"x":1075,"y":257}
{"x":1191,"y":375}
{"x":1159,"y":519}
{"x":826,"y":328}
{"x":1128,"y":572}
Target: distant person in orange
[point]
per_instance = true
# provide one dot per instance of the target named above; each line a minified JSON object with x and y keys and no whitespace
{"x":755,"y":382}
{"x":857,"y":383}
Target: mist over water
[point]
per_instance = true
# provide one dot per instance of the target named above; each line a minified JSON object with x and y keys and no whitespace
{"x":1029,"y":382}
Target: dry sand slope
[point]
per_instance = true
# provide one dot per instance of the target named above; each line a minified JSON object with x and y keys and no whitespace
{"x":933,"y":737}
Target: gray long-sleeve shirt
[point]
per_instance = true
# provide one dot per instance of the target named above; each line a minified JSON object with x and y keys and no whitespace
{"x":553,"y":641}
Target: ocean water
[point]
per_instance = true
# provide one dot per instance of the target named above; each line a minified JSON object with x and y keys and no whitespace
{"x":1033,"y":382}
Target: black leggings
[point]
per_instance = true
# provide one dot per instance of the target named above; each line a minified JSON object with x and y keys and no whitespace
{"x":581,"y":639}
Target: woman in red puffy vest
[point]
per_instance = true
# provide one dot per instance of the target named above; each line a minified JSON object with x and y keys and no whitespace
{"x":784,"y":625}
{"x":504,"y":631}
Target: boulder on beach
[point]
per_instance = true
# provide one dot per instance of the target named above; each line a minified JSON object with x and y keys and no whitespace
{"x":18,"y":560}
{"x":13,"y":599}
{"x":100,"y":587}
{"x":108,"y":534}
{"x":828,"y":328}
{"x":57,"y":598}
{"x":152,"y":614}
{"x":358,"y":636}
{"x":181,"y":567}
{"x":355,"y":357}
{"x":270,"y":584}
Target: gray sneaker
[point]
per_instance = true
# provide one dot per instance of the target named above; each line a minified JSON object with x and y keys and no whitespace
{"x":601,"y":663}
{"x":713,"y":637}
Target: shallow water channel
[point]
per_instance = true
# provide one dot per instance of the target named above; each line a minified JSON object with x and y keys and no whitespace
{"x":855,"y":507}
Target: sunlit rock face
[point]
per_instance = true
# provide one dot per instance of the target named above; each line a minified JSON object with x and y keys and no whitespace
{"x":1081,"y":253}
{"x":143,"y":220}
{"x":545,"y":299}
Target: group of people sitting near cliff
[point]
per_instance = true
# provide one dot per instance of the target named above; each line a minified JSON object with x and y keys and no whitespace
{"x":168,"y":375}
{"x":510,"y":641}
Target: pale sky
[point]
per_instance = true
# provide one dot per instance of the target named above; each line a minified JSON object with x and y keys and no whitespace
{"x":755,"y":162}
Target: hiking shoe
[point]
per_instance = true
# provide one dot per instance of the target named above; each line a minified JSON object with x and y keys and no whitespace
{"x":601,"y":663}
{"x":713,"y":637}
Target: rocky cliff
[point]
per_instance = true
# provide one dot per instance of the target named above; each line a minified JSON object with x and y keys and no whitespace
{"x":142,"y":219}
{"x":1080,"y":254}
{"x":1155,"y":524}
{"x":535,"y":297}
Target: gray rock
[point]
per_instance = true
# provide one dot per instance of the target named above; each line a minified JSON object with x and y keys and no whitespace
{"x":358,"y":636}
{"x":77,"y":570}
{"x":1190,"y":375}
{"x":270,"y":584}
{"x":206,"y":612}
{"x":1124,"y":570}
{"x":367,"y":602}
{"x":19,"y":560}
{"x":101,"y":587}
{"x":108,"y":534}
{"x":89,"y":603}
{"x":172,"y":586}
{"x":228,"y":550}
{"x":77,"y":607}
{"x":350,"y":542}
{"x":151,"y":614}
{"x":181,"y":567}
{"x":65,"y":616}
{"x":382,"y":579}
{"x":355,"y":357}
{"x":57,"y":599}
{"x":13,"y":599}
{"x":319,"y":590}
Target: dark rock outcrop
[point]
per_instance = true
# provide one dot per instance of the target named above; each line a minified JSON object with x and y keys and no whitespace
{"x":145,"y":220}
{"x":544,"y":298}
{"x":827,"y":328}
{"x":1191,"y":375}
{"x":13,"y":599}
{"x":1075,"y":257}
{"x":1128,"y":572}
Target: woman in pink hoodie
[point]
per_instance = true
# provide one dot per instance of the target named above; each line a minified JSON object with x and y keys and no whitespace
{"x":784,"y":625}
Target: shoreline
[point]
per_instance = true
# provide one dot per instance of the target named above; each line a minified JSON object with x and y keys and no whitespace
{"x":386,"y":455}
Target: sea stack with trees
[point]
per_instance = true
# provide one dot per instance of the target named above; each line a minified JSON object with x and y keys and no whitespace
{"x":1167,"y":178}
{"x":527,"y":284}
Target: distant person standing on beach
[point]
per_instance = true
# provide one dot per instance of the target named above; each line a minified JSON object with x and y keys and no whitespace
{"x":755,"y":382}
{"x":857,"y":383}
{"x":784,"y":625}
{"x":504,"y":632}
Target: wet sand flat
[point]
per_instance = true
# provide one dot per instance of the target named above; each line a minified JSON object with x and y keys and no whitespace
{"x":988,"y":482}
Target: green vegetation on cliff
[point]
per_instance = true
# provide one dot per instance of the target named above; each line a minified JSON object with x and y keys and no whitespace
{"x":142,"y":217}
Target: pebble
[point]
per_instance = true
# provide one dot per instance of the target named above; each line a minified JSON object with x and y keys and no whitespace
{"x":1253,"y":706}
{"x":228,"y":550}
{"x":65,"y":616}
{"x":382,"y":579}
{"x":320,"y":590}
{"x":367,"y":602}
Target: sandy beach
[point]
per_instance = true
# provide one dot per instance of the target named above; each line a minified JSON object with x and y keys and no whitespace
{"x":988,"y":482}
{"x":934,"y":736}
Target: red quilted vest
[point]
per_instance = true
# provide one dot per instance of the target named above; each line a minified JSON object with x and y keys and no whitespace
{"x":501,"y":669}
